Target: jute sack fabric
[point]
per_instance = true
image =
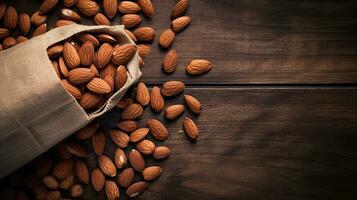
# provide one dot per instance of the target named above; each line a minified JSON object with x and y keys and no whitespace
{"x":35,"y":111}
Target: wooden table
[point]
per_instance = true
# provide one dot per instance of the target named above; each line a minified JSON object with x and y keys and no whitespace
{"x":280,"y":105}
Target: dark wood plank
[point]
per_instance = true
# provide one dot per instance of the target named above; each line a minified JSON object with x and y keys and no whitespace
{"x":261,"y":143}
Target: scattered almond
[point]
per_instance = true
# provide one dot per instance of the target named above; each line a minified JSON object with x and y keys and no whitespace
{"x":167,"y":38}
{"x":98,"y":143}
{"x":9,"y":42}
{"x":144,"y":34}
{"x":87,"y":132}
{"x":128,"y":7}
{"x":86,"y":53}
{"x":180,"y":8}
{"x":76,"y":149}
{"x":142,"y":94}
{"x":120,"y":158}
{"x":107,"y":166}
{"x":197,"y":67}
{"x":62,"y":169}
{"x":69,"y":3}
{"x":88,"y":7}
{"x":38,"y":19}
{"x":24,"y":23}
{"x":128,"y":125}
{"x":100,"y":19}
{"x":111,"y":190}
{"x":136,"y":189}
{"x":10,"y":18}
{"x":180,"y":23}
{"x":136,"y":160}
{"x":123,"y":54}
{"x":190,"y":128}
{"x":156,"y":100}
{"x":138,"y":134}
{"x":69,"y":14}
{"x":174,"y":111}
{"x":193,"y":104}
{"x":106,"y":38}
{"x":130,"y":20}
{"x":161,"y":152}
{"x":82,"y":171}
{"x":126,"y":177}
{"x":158,"y":130}
{"x":172,"y":88}
{"x":97,"y":179}
{"x":146,"y":147}
{"x":146,"y":7}
{"x":169,"y":62}
{"x":40,"y":30}
{"x":47,"y":6}
{"x":151,"y":173}
{"x":110,"y":7}
{"x":119,"y":138}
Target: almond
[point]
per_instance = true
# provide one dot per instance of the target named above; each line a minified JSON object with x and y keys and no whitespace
{"x":24,"y":23}
{"x":64,"y":22}
{"x":4,"y":33}
{"x":43,"y":166}
{"x":172,"y":88}
{"x":156,"y":100}
{"x":139,"y":134}
{"x":98,"y":143}
{"x":66,"y":183}
{"x":2,"y":10}
{"x":10,"y":18}
{"x":71,"y":89}
{"x":89,"y":100}
{"x":9,"y":42}
{"x":158,"y":130}
{"x":123,"y":54}
{"x":69,"y":14}
{"x":126,"y":177}
{"x":180,"y":8}
{"x":107,"y":166}
{"x":130,"y":20}
{"x":110,"y":7}
{"x":63,"y":67}
{"x":111,"y":190}
{"x":109,"y":70}
{"x":119,"y":138}
{"x":161,"y":152}
{"x":143,"y":50}
{"x":99,"y":86}
{"x":193,"y":104}
{"x":38,"y":19}
{"x":133,"y":111}
{"x":136,"y":160}
{"x":47,"y":6}
{"x":62,"y":169}
{"x":136,"y":189}
{"x":120,"y":158}
{"x":197,"y":67}
{"x":120,"y":77}
{"x":105,"y":53}
{"x":128,"y":125}
{"x":167,"y":38}
{"x":180,"y":23}
{"x":131,"y":35}
{"x":84,"y":37}
{"x":100,"y":19}
{"x":50,"y":182}
{"x":87,"y":132}
{"x":142,"y":94}
{"x":106,"y":38}
{"x":55,"y":51}
{"x":86,"y":53}
{"x":69,"y":3}
{"x":40,"y":30}
{"x":146,"y":7}
{"x":146,"y":147}
{"x":62,"y":151}
{"x":80,"y":75}
{"x":97,"y":179}
{"x":82,"y":171}
{"x":76,"y":149}
{"x":144,"y":34}
{"x":151,"y":173}
{"x":76,"y":190}
{"x":190,"y":128}
{"x":70,"y":55}
{"x":128,"y":7}
{"x":174,"y":111}
{"x":169,"y":63}
{"x":21,"y":38}
{"x":88,"y":7}
{"x":110,"y":80}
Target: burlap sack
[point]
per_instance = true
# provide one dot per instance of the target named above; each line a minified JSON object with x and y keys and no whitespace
{"x":35,"y":111}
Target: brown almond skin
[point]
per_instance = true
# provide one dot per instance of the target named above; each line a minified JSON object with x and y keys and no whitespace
{"x":62,"y":169}
{"x":73,"y":90}
{"x":120,"y":160}
{"x":105,"y":53}
{"x":86,"y":53}
{"x":80,"y":75}
{"x":70,"y":55}
{"x":157,"y":101}
{"x":98,"y":143}
{"x":89,"y":100}
{"x":21,"y":38}
{"x":83,"y":37}
{"x":109,"y":70}
{"x":50,"y":182}
{"x":190,"y":128}
{"x":169,"y":63}
{"x":47,"y":6}
{"x":119,"y":138}
{"x":76,"y":190}
{"x":143,"y":50}
{"x":99,"y":86}
{"x":126,"y":177}
{"x":63,"y":22}
{"x":110,"y":7}
{"x":146,"y":147}
{"x":142,"y":94}
{"x":158,"y":130}
{"x":38,"y":19}
{"x":139,"y":134}
{"x":87,"y":132}
{"x":69,"y":14}
{"x":107,"y":166}
{"x":4,"y":33}
{"x":24,"y":23}
{"x":106,"y":38}
{"x":136,"y":160}
{"x":101,"y":19}
{"x":133,"y":111}
{"x":130,"y":20}
{"x":63,"y":67}
{"x":10,"y":18}
{"x":69,"y":3}
{"x":97,"y":179}
{"x":193,"y":104}
{"x":198,"y":67}
{"x":144,"y":34}
{"x":9,"y":42}
{"x":111,"y":190}
{"x":167,"y":38}
{"x":174,"y":111}
{"x":161,"y":152}
{"x":136,"y":189}
{"x":151,"y":173}
{"x":88,"y":7}
{"x":180,"y":23}
{"x":76,"y":149}
{"x":128,"y":125}
{"x":40,"y":30}
{"x":82,"y":171}
{"x":179,"y":9}
{"x":131,"y":35}
{"x":146,"y":8}
{"x":67,"y":183}
{"x":128,"y":7}
{"x":123,"y":54}
{"x":172,"y":88}
{"x":55,"y":51}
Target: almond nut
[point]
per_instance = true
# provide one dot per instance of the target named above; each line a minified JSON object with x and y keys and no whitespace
{"x":88,"y":7}
{"x":100,"y":19}
{"x":97,"y":179}
{"x":136,"y":160}
{"x":128,"y":125}
{"x":139,"y":134}
{"x":86,"y":53}
{"x":128,"y":7}
{"x":158,"y":130}
{"x":123,"y":54}
{"x":73,"y":90}
{"x":63,"y":67}
{"x":69,"y":14}
{"x":130,"y":20}
{"x":133,"y":111}
{"x":146,"y":147}
{"x":172,"y":88}
{"x":89,"y":100}
{"x":180,"y":8}
{"x":10,"y":18}
{"x":120,"y":158}
{"x":193,"y":104}
{"x":180,"y":23}
{"x":161,"y":152}
{"x":167,"y":38}
{"x":169,"y":62}
{"x":146,"y":7}
{"x":174,"y":111}
{"x":99,"y":86}
{"x":98,"y":143}
{"x":80,"y":75}
{"x":76,"y":149}
{"x":62,"y":169}
{"x":70,"y":55}
{"x":119,"y":138}
{"x":151,"y":173}
{"x":144,"y":34}
{"x":105,"y":53}
{"x":24,"y":23}
{"x":142,"y":94}
{"x":87,"y":132}
{"x":111,"y":190}
{"x":126,"y":177}
{"x":136,"y":189}
{"x":82,"y":171}
{"x":156,"y":100}
{"x":107,"y":166}
{"x":197,"y":67}
{"x":190,"y":128}
{"x":47,"y":6}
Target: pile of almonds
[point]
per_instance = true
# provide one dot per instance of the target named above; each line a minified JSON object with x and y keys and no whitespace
{"x":91,"y":67}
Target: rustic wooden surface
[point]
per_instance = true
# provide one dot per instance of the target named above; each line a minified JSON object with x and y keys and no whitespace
{"x":274,"y":140}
